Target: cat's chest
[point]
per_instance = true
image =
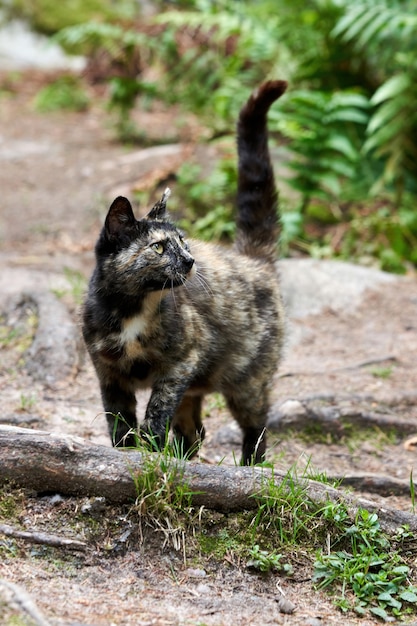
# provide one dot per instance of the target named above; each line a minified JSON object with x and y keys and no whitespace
{"x":132,"y":336}
{"x":133,"y":328}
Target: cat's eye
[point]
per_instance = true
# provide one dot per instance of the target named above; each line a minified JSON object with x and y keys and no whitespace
{"x":158,"y":247}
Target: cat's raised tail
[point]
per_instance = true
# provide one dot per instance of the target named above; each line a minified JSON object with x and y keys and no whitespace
{"x":257,"y":201}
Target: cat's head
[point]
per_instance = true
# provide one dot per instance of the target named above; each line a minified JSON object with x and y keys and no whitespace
{"x":139,"y":256}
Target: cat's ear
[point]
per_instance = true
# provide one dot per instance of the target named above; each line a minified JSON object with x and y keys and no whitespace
{"x":158,"y":211}
{"x":120,"y":216}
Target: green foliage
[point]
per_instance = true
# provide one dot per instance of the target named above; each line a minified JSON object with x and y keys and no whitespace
{"x":285,"y":511}
{"x":209,"y":200}
{"x":349,"y":120}
{"x":86,"y":38}
{"x":232,"y":48}
{"x":49,"y":16}
{"x":121,"y":46}
{"x":382,"y":232}
{"x":385,"y":33}
{"x":65,"y":93}
{"x":366,"y":573}
{"x":265,"y":561}
{"x":321,"y":128}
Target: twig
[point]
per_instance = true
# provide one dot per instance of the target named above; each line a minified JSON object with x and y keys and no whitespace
{"x":46,"y":539}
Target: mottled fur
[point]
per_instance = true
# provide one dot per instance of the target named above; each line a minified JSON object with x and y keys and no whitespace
{"x":189,"y":318}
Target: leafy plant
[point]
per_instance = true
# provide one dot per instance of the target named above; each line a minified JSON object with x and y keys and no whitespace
{"x":381,"y":232}
{"x":349,"y":119}
{"x":228,"y":51}
{"x":322,"y":133}
{"x":217,"y":191}
{"x":265,"y":561}
{"x":385,"y":32}
{"x":285,"y":510}
{"x":367,"y":574}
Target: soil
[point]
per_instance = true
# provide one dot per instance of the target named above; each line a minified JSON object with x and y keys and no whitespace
{"x":352,"y":354}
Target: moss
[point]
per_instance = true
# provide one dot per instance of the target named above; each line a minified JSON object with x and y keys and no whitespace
{"x":12,"y":502}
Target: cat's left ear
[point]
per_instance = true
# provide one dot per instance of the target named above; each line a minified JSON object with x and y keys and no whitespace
{"x":158,"y":211}
{"x":120,"y":216}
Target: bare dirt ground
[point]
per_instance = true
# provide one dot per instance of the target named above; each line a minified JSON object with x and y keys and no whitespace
{"x":351,"y":356}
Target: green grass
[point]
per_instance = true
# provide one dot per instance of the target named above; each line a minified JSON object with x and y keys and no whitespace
{"x":64,"y":94}
{"x":77,"y":285}
{"x":382,"y":372}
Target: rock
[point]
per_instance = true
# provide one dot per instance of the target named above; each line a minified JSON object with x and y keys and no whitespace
{"x":309,"y":286}
{"x":194,"y":572}
{"x":56,"y":351}
{"x":20,"y":48}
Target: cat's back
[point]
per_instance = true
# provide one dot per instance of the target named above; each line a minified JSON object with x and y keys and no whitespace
{"x":240,"y":290}
{"x":225,"y":263}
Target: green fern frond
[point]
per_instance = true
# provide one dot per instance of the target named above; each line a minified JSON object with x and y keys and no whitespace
{"x":320,"y":126}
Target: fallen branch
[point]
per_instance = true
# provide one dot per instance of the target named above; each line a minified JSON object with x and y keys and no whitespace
{"x":63,"y":464}
{"x":17,"y":596}
{"x":396,"y":399}
{"x":389,"y":358}
{"x":334,"y":419}
{"x":45,"y":539}
{"x":385,"y":486}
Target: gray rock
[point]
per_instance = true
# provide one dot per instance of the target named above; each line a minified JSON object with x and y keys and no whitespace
{"x":309,"y":285}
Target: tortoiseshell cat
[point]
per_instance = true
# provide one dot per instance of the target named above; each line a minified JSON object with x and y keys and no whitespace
{"x":189,"y":318}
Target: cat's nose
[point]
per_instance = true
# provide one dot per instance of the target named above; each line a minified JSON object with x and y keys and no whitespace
{"x":190,"y":267}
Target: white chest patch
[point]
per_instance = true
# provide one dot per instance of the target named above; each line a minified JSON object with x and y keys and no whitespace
{"x":132,"y":328}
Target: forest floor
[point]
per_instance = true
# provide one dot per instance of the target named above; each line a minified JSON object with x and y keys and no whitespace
{"x":351,"y":352}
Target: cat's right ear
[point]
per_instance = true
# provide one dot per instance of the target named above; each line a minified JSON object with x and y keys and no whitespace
{"x":120,"y":217}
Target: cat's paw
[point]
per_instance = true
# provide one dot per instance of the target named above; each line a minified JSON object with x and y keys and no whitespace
{"x":153,"y":440}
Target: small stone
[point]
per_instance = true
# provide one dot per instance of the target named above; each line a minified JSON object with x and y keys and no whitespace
{"x":203,"y":589}
{"x":195,"y":572}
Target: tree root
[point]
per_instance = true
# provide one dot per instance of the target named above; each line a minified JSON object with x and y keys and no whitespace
{"x":69,"y":465}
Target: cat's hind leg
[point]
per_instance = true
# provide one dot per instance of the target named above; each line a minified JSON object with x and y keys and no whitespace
{"x":250,"y":410}
{"x":187,"y":426}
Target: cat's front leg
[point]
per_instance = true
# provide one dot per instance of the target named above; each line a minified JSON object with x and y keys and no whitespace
{"x":165,"y":398}
{"x":120,"y":407}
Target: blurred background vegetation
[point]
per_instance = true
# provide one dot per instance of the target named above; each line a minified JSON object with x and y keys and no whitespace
{"x":344,"y":137}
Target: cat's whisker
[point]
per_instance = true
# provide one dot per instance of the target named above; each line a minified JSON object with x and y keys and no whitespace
{"x":203,"y":282}
{"x":161,"y":295}
{"x":173,"y":296}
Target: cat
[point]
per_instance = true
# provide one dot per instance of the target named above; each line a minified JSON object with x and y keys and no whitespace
{"x":187,"y":318}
